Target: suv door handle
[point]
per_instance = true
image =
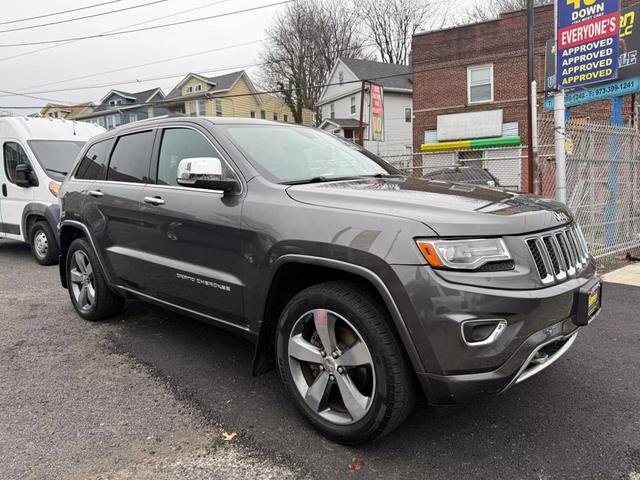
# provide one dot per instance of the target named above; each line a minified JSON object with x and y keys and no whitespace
{"x":96,"y":193}
{"x":153,"y":200}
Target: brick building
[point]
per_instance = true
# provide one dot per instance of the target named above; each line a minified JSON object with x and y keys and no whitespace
{"x":480,"y":71}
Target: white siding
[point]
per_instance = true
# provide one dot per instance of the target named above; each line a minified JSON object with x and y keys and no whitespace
{"x":398,"y":133}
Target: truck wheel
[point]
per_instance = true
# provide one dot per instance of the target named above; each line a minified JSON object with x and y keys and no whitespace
{"x":91,"y":296}
{"x":44,"y":245}
{"x":341,"y":362}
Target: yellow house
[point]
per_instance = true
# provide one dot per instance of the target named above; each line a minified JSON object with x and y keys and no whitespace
{"x":53,"y":110}
{"x":230,"y":95}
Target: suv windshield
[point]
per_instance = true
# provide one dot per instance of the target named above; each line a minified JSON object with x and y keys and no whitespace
{"x":288,"y":154}
{"x":56,"y":157}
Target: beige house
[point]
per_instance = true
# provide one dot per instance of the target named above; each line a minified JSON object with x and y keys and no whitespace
{"x":53,"y":110}
{"x":230,"y":95}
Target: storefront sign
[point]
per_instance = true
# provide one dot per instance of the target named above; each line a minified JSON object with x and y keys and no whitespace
{"x":377,"y":113}
{"x":587,"y":41}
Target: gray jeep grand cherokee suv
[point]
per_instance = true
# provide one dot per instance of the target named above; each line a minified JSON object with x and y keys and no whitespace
{"x":356,"y":282}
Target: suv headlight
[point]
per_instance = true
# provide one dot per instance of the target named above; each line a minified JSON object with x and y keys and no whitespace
{"x":463,"y":254}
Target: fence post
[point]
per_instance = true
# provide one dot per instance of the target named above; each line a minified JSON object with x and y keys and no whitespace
{"x":560,"y":135}
{"x":612,"y":181}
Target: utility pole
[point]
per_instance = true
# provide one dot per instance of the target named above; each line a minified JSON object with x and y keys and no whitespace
{"x":361,"y":125}
{"x":534,"y":138}
{"x":559,"y":116}
{"x":560,"y":136}
{"x":531,"y":78}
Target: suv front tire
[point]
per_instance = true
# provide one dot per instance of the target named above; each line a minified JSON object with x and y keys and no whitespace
{"x":88,"y":289}
{"x":341,"y":362}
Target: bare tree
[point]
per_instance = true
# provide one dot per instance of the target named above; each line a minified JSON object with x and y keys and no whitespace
{"x":302,"y":46}
{"x":390,"y":24}
{"x":489,"y":9}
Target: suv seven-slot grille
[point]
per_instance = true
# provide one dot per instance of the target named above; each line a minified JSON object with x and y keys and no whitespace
{"x":559,"y":254}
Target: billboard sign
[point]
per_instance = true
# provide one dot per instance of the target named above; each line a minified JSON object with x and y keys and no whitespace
{"x":628,"y":69}
{"x":377,"y":113}
{"x":587,"y":41}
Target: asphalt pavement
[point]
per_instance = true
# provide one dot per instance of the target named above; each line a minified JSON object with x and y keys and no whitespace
{"x":82,"y":400}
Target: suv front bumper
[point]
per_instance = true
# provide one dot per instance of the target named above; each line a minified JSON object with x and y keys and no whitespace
{"x":541,"y":326}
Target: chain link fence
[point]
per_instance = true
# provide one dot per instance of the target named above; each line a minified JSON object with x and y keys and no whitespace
{"x":603,"y":182}
{"x":603,"y":178}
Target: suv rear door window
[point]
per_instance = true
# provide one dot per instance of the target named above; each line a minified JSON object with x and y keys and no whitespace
{"x":93,"y":165}
{"x":178,"y":144}
{"x":131,"y":158}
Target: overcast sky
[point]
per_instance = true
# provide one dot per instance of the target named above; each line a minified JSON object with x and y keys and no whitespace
{"x":53,"y":67}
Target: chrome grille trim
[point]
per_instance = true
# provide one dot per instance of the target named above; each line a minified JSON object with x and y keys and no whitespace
{"x":563,"y":253}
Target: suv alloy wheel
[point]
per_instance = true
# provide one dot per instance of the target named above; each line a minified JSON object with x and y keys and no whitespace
{"x":342,"y":364}
{"x":90,"y":295}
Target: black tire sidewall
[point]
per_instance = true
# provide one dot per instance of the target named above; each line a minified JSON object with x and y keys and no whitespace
{"x":367,"y":427}
{"x":52,"y":252}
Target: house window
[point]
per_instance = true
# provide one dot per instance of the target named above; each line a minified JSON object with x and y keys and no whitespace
{"x":275,"y":117}
{"x":253,"y":114}
{"x":197,"y":108}
{"x":480,"y":83}
{"x":286,"y":118}
{"x":340,"y":77}
{"x":332,"y":110}
{"x":407,"y":115}
{"x":112,"y":121}
{"x":353,"y":105}
{"x":190,"y":89}
{"x":115,"y":102}
{"x":197,"y":88}
{"x":263,"y":115}
{"x":218,"y":107}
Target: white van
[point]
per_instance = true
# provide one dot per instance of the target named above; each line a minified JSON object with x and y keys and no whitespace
{"x":36,"y":154}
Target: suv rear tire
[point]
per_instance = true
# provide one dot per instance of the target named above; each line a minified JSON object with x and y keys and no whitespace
{"x":364,"y":387}
{"x":44,"y":245}
{"x":90,"y":294}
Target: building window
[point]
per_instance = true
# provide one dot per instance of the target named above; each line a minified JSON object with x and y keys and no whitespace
{"x":218,"y":107}
{"x":480,"y":83}
{"x":407,"y":115}
{"x":197,"y":88}
{"x":286,"y":118}
{"x":115,"y":102}
{"x":263,"y":115}
{"x":253,"y":114}
{"x":275,"y":117}
{"x":353,"y":105}
{"x":190,"y":89}
{"x":332,"y":110}
{"x":112,"y":121}
{"x":340,"y":77}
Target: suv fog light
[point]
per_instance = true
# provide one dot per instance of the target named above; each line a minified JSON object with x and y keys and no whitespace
{"x":476,"y":333}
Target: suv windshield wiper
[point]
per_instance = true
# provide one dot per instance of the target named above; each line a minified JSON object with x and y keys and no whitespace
{"x":319,"y":180}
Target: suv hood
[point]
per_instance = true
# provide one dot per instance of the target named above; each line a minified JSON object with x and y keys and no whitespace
{"x":449,"y":209}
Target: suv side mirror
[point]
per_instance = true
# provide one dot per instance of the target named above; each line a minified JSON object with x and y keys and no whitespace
{"x":205,"y":172}
{"x":25,"y":177}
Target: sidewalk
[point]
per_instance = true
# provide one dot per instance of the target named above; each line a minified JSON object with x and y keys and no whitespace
{"x":629,"y":275}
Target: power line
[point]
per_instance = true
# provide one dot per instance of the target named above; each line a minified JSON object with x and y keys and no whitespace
{"x":31,"y":52}
{"x":102,"y":35}
{"x":59,"y":13}
{"x":83,"y":18}
{"x":182,"y":74}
